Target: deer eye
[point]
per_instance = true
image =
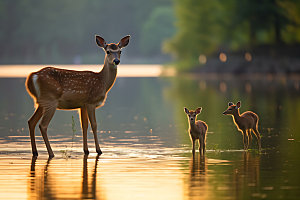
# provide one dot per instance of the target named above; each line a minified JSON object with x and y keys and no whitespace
{"x":107,"y":52}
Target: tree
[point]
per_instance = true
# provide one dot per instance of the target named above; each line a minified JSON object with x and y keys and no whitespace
{"x":156,"y":29}
{"x":200,"y":30}
{"x":208,"y":27}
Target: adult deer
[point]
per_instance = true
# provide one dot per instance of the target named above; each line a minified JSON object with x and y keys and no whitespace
{"x":245,"y":123}
{"x":54,"y":88}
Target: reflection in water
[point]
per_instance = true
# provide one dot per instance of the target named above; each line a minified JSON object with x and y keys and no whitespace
{"x":45,"y":183}
{"x":89,"y":193}
{"x":157,"y":164}
{"x":39,"y":186}
{"x":32,"y":186}
{"x":247,"y":175}
{"x":198,"y":177}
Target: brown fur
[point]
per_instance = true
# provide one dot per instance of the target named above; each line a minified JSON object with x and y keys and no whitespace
{"x":54,"y":88}
{"x":246,"y":122}
{"x":197,"y":130}
{"x":113,"y":46}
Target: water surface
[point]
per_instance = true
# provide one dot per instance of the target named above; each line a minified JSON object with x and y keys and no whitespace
{"x":146,"y":148}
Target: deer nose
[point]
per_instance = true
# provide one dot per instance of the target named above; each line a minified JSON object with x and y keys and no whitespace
{"x":116,"y":61}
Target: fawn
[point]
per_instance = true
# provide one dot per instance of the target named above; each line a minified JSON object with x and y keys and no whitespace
{"x":197,"y":129}
{"x":245,"y":123}
{"x":54,"y":88}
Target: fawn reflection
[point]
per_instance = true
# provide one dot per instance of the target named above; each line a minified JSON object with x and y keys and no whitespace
{"x":247,"y":175}
{"x":198,"y":176}
{"x":55,"y":181}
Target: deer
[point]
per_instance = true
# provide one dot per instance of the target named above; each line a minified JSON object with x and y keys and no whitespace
{"x":54,"y":88}
{"x":197,"y":129}
{"x":245,"y":123}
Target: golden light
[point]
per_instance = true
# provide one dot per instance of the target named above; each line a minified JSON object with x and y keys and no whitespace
{"x":123,"y":71}
{"x":248,"y":56}
{"x":223,"y":57}
{"x":202,"y":59}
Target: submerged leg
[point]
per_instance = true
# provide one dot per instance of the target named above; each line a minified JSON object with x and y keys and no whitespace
{"x":193,"y":145}
{"x":249,"y":137}
{"x":204,"y":145}
{"x":92,"y":118}
{"x":245,"y":140}
{"x":257,"y":134}
{"x":84,"y":126}
{"x":32,"y":123}
{"x":201,"y":147}
{"x":47,"y":116}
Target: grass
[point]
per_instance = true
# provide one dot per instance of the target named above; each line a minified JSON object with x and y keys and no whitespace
{"x":67,"y":153}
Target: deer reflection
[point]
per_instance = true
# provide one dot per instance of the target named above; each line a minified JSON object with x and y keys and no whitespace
{"x":247,"y":174}
{"x":35,"y":187}
{"x":86,"y":193}
{"x":197,"y":178}
{"x":44,"y":183}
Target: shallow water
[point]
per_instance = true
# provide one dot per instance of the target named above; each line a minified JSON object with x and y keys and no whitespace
{"x":146,"y":148}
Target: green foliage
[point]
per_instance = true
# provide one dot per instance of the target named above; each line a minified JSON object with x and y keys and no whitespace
{"x":200,"y":29}
{"x":58,"y":31}
{"x":157,"y":28}
{"x":207,"y":27}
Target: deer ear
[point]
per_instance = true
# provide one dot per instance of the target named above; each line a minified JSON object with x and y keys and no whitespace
{"x":100,"y":41}
{"x":186,"y":110}
{"x":198,"y":110}
{"x":238,"y":104}
{"x":230,"y":104}
{"x":124,"y":41}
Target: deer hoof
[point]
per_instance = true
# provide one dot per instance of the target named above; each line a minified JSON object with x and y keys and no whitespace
{"x":35,"y":153}
{"x":99,"y":152}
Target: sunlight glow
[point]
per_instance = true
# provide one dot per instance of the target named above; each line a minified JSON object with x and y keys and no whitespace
{"x":19,"y":71}
{"x":202,"y":59}
{"x":248,"y":56}
{"x":223,"y":57}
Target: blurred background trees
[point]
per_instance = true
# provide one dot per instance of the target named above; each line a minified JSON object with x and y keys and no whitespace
{"x":207,"y":27}
{"x":48,"y":31}
{"x":40,"y":32}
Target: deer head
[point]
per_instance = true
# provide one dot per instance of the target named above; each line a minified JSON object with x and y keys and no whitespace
{"x":232,"y":109}
{"x":192,"y":115}
{"x":112,"y":50}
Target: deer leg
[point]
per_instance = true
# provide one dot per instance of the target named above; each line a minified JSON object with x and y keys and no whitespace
{"x":201,"y":145}
{"x":47,"y":116}
{"x":245,"y":138}
{"x":193,"y":145}
{"x":257,"y":134}
{"x":249,"y":137}
{"x":92,"y":118}
{"x":31,"y":124}
{"x":84,"y":126}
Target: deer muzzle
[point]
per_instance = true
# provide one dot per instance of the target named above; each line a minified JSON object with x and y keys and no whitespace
{"x":116,"y":61}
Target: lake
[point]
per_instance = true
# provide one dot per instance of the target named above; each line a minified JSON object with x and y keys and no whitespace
{"x":142,"y":130}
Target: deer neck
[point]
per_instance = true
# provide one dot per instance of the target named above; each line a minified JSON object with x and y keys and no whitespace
{"x":237,"y":117}
{"x":108,"y":74}
{"x":193,"y":125}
